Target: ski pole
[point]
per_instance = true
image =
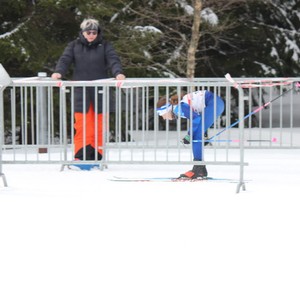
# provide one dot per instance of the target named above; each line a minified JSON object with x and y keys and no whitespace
{"x":228,"y":77}
{"x":212,"y":140}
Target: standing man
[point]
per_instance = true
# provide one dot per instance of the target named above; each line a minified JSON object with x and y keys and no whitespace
{"x":92,"y":58}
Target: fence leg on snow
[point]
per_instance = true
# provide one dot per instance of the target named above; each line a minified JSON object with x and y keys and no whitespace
{"x":4,"y":179}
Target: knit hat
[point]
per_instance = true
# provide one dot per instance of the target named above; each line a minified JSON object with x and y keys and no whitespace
{"x":90,"y":24}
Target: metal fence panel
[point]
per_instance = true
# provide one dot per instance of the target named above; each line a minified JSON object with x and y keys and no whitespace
{"x":37,"y":123}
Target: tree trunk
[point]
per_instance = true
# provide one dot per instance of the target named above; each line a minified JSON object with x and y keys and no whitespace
{"x":195,"y":36}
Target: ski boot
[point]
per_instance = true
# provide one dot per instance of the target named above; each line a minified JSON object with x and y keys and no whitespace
{"x":198,"y":172}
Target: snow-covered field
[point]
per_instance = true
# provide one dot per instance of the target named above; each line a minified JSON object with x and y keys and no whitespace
{"x":77,"y":235}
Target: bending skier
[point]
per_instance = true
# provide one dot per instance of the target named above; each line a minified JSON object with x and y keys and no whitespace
{"x":202,"y":108}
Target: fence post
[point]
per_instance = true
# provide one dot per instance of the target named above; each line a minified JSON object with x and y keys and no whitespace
{"x":5,"y":80}
{"x":1,"y":135}
{"x":42,"y":118}
{"x":241,"y":183}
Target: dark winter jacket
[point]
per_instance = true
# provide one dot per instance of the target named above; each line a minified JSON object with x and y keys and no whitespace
{"x":90,"y":61}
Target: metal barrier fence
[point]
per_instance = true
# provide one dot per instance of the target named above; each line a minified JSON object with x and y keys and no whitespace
{"x":37,"y":121}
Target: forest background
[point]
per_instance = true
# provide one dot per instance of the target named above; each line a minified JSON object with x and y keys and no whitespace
{"x":163,"y":38}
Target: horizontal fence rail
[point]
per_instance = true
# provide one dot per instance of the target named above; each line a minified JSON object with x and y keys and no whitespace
{"x":37,"y":120}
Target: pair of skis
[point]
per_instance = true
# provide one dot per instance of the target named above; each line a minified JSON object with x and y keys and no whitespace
{"x":166,"y":179}
{"x":90,"y":167}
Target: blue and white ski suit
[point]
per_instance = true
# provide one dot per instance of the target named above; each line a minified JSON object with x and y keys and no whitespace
{"x":192,"y":106}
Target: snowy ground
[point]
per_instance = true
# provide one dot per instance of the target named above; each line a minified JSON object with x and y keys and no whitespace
{"x":76,"y":235}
